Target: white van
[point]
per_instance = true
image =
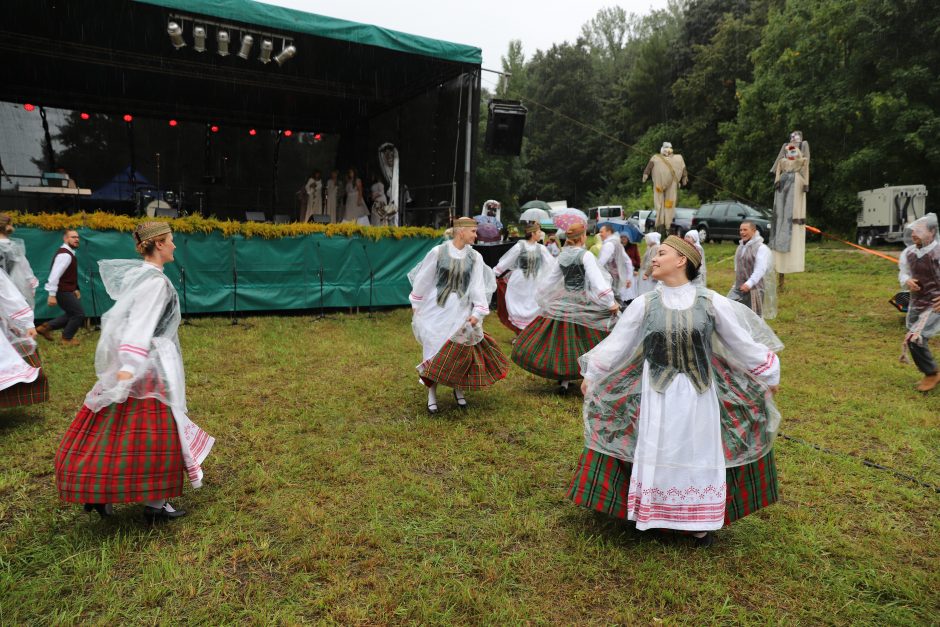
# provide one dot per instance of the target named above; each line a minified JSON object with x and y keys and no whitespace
{"x":600,"y":214}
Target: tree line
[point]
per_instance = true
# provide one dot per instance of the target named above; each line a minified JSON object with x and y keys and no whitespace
{"x":726,"y":81}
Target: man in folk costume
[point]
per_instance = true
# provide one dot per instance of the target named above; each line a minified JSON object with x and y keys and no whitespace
{"x":577,"y":310}
{"x":132,"y":440}
{"x":919,"y":272}
{"x":679,"y":418}
{"x":788,"y":235}
{"x":613,"y":259}
{"x":62,"y":287}
{"x":669,"y":173}
{"x":527,"y":262}
{"x":450,"y":296}
{"x":754,"y":280}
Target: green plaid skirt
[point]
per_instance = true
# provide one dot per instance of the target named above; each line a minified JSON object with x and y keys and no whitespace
{"x":466,"y":367}
{"x":27,"y":393}
{"x":550,"y":348}
{"x":602,"y":483}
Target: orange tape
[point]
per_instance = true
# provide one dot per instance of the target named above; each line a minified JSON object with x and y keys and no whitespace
{"x":813,"y":229}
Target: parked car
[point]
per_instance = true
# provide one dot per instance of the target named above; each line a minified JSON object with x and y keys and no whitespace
{"x":599,"y":214}
{"x":721,"y":219}
{"x":638,"y":219}
{"x":681,"y":221}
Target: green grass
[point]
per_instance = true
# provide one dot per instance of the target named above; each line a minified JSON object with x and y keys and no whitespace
{"x":332,"y":497}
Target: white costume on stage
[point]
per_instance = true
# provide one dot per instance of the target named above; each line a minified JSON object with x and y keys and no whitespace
{"x":356,"y":210}
{"x":528,"y":263}
{"x":679,"y":460}
{"x":314,"y":190}
{"x":332,"y":195}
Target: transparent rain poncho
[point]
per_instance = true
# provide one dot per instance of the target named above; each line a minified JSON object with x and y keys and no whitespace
{"x":922,"y":263}
{"x":576,"y":290}
{"x":669,"y":343}
{"x":13,"y":260}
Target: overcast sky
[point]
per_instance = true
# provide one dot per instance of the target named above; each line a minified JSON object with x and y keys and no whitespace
{"x":487,"y":24}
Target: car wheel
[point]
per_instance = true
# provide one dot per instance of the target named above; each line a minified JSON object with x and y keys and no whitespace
{"x":860,"y":237}
{"x":869,"y":239}
{"x":703,"y":234}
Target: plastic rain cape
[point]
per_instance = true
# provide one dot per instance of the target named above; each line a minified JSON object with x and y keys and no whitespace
{"x":922,"y":322}
{"x":13,"y":260}
{"x":161,"y":374}
{"x":558,"y":301}
{"x":749,"y":417}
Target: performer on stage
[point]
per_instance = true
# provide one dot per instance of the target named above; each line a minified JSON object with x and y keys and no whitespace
{"x":378,"y":201}
{"x":22,"y":379}
{"x":788,"y":235}
{"x":314,"y":191}
{"x":645,"y":282}
{"x":613,"y":258}
{"x":679,"y":419}
{"x":62,"y":286}
{"x":754,"y":279}
{"x":132,"y":440}
{"x":450,"y":296}
{"x":333,"y":189}
{"x":919,"y":272}
{"x":527,"y":262}
{"x":356,"y":210}
{"x":692,"y":237}
{"x":577,"y":307}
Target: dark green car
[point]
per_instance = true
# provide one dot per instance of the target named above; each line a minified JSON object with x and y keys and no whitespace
{"x":721,"y":219}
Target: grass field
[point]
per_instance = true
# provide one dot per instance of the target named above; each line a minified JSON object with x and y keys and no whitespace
{"x":332,"y":497}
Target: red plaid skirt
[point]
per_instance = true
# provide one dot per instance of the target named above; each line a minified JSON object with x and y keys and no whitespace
{"x":501,"y":310}
{"x":466,"y":367}
{"x":27,"y":393}
{"x":550,"y":348}
{"x":127,"y":452}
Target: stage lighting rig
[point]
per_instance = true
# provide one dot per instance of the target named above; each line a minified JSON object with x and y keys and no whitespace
{"x":175,"y":31}
{"x":199,"y":38}
{"x":223,"y":39}
{"x":285,"y":55}
{"x":266,"y":47}
{"x":247,"y":42}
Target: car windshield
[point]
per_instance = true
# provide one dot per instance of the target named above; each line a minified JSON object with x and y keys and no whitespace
{"x":684,"y":213}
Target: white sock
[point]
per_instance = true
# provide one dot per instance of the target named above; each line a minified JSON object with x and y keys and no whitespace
{"x":700,"y":534}
{"x":458,"y":394}
{"x":564,"y":384}
{"x":155,"y":504}
{"x":432,"y":395}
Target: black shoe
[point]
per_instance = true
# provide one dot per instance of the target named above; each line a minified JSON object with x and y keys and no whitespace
{"x":161,"y":514}
{"x":461,"y":402}
{"x":705,"y":541}
{"x":561,"y":390}
{"x":104,"y":509}
{"x":432,"y":408}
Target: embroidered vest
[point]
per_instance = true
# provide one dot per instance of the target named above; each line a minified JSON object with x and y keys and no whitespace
{"x":744,"y":258}
{"x":679,"y":340}
{"x":926,"y":271}
{"x":571,"y":263}
{"x":529,"y":262}
{"x":453,"y":275}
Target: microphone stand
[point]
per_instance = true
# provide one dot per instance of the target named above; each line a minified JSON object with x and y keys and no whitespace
{"x":320,"y":273}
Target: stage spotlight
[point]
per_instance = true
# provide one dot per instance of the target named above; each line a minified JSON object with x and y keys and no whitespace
{"x":247,"y":42}
{"x":214,"y":128}
{"x":317,"y":137}
{"x":223,"y":39}
{"x":173,"y":122}
{"x":285,"y":55}
{"x":29,"y":107}
{"x":175,"y":31}
{"x":84,"y":115}
{"x":252,"y":132}
{"x":288,"y":133}
{"x":266,"y":47}
{"x":199,"y":39}
{"x":128,"y":118}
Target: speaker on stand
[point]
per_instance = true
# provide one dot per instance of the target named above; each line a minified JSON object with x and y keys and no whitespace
{"x":505,"y":123}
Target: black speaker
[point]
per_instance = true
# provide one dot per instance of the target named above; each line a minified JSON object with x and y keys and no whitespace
{"x":504,"y":125}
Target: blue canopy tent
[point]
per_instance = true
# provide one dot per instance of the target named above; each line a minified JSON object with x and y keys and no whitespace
{"x":121,"y":187}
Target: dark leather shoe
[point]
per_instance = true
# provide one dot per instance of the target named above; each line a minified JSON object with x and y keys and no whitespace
{"x":705,"y":541}
{"x":160,"y":514}
{"x":44,"y":330}
{"x":461,"y":402}
{"x":432,"y":408}
{"x":104,"y":509}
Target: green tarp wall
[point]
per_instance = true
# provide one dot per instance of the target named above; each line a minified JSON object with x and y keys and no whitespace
{"x":272,"y":274}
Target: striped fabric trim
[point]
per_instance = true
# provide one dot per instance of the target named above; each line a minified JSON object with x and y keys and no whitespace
{"x":767,"y":365}
{"x":136,"y":350}
{"x":414,"y":296}
{"x":22,"y":312}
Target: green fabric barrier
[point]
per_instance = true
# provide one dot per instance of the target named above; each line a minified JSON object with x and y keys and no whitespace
{"x":295,"y":21}
{"x":271,"y":274}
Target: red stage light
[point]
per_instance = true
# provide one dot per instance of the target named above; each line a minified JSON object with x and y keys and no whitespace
{"x":252,"y":132}
{"x":84,"y":116}
{"x":288,"y":133}
{"x":173,"y":122}
{"x":317,"y":137}
{"x":214,"y":128}
{"x":128,"y":118}
{"x":28,"y":107}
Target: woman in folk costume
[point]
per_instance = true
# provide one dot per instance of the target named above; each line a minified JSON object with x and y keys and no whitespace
{"x":22,"y":379}
{"x":692,"y":237}
{"x":614,"y":260}
{"x":788,"y":235}
{"x":356,"y":209}
{"x":314,"y":194}
{"x":645,"y":281}
{"x":450,"y":296}
{"x":577,"y":309}
{"x":679,"y":418}
{"x":132,"y":440}
{"x":527,"y":262}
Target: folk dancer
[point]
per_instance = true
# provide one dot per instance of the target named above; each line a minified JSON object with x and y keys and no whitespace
{"x":919,"y":272}
{"x":577,"y":310}
{"x":754,"y":279}
{"x":679,"y":419}
{"x":450,"y":296}
{"x":62,"y":287}
{"x":526,"y":262}
{"x":356,"y":210}
{"x":645,"y":281}
{"x":314,"y":194}
{"x":692,"y":237}
{"x":614,"y":260}
{"x":132,"y":440}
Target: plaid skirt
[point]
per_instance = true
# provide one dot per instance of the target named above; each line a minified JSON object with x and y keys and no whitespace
{"x":501,"y":310}
{"x":127,"y":452}
{"x":602,"y":483}
{"x":21,"y":394}
{"x":466,"y":367}
{"x":550,"y":348}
